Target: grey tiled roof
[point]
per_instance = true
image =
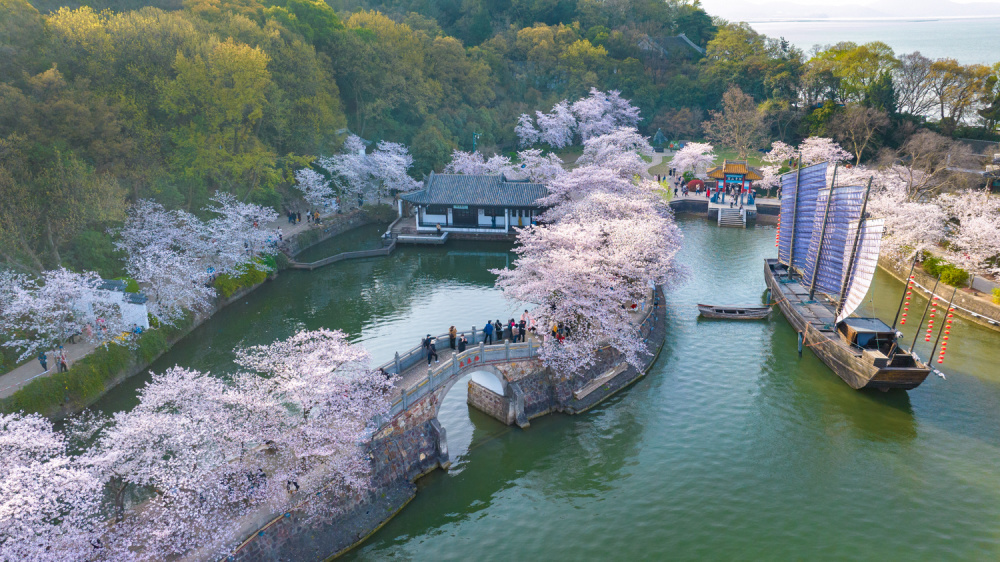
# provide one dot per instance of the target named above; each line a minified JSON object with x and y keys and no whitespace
{"x":479,"y":191}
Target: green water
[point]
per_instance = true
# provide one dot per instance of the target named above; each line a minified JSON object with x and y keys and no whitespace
{"x":733,"y":447}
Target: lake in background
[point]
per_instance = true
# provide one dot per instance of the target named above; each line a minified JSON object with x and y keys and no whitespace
{"x":969,"y":40}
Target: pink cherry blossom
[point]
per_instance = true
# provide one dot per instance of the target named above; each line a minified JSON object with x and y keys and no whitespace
{"x":557,"y":127}
{"x":526,"y":131}
{"x":694,"y":157}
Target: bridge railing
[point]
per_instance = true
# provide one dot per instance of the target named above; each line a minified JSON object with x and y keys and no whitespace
{"x":477,"y":356}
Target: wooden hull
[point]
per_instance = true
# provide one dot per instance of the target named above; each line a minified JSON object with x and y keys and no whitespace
{"x":814,"y":320}
{"x":734,"y":312}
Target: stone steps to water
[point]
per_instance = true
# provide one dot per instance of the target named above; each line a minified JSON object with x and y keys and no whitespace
{"x":732,"y":217}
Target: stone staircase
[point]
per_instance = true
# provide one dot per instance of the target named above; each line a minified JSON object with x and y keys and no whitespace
{"x":732,"y":217}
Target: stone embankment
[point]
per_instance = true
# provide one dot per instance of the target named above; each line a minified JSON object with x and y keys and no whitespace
{"x":412,"y":443}
{"x":968,"y":305}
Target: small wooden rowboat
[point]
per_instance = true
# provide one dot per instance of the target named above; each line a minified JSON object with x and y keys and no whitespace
{"x":734,"y":312}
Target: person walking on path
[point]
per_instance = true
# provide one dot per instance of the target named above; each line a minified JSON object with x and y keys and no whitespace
{"x":280,"y":237}
{"x":452,"y":334}
{"x":488,"y":333}
{"x":63,"y":363}
{"x":44,"y":360}
{"x":431,"y":350}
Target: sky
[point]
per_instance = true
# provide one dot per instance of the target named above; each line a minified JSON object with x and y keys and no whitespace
{"x":750,"y":10}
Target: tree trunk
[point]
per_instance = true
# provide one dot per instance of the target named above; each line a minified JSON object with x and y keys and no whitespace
{"x":52,"y":244}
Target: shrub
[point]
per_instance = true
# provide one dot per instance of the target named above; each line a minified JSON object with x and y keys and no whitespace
{"x":954,"y":276}
{"x":227,"y":284}
{"x":996,"y":295}
{"x":932,"y":265}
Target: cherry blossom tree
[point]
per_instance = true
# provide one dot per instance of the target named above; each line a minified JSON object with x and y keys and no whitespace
{"x":586,"y":269}
{"x":976,"y":237}
{"x":166,"y":253}
{"x":370,"y":176}
{"x":821,"y":149}
{"x":316,"y":189}
{"x":388,"y":165}
{"x":330,"y":388}
{"x":238,"y":233}
{"x":558,"y":126}
{"x":531,"y":164}
{"x":526,"y":131}
{"x":350,"y":167}
{"x":694,"y":157}
{"x":602,"y":112}
{"x":620,"y":150}
{"x":41,"y":314}
{"x":48,"y":502}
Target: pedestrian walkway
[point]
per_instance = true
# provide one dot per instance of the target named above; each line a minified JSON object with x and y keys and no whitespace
{"x":20,"y":376}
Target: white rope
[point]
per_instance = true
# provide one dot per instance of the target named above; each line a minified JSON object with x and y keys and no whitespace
{"x":955,"y":306}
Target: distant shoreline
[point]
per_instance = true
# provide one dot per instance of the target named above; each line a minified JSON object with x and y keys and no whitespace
{"x":884,"y":19}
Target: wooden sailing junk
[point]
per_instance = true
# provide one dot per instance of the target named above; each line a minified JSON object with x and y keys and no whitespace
{"x":827,"y":255}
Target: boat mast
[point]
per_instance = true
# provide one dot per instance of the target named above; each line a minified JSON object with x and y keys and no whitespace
{"x":854,"y":250}
{"x":795,"y":214}
{"x":930,"y":298}
{"x":906,"y":287}
{"x":822,"y":233}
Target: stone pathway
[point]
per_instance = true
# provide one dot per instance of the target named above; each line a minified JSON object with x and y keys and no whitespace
{"x":20,"y":376}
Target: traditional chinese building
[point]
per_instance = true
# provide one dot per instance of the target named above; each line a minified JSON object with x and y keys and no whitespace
{"x":475,"y":204}
{"x":734,"y":174}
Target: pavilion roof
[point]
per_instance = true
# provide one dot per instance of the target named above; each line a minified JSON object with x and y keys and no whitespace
{"x":476,"y":190}
{"x":738,"y":167}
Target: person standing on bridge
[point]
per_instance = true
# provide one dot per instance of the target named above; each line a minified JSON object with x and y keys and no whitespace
{"x":452,"y":334}
{"x":488,"y":333}
{"x":431,"y":350}
{"x":462,"y":342}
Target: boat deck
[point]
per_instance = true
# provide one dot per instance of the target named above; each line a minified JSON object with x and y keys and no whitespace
{"x":820,"y":312}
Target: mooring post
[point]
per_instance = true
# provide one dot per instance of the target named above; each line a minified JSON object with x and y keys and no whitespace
{"x":482,"y":351}
{"x":472,"y":338}
{"x":800,"y":344}
{"x":530,"y":350}
{"x":506,"y":350}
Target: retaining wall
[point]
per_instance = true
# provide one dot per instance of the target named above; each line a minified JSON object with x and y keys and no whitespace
{"x":490,"y":403}
{"x":984,"y":311}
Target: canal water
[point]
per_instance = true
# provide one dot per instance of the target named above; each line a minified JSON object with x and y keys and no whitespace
{"x":733,"y":446}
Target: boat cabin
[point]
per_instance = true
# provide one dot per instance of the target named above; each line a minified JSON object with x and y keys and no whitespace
{"x":867,"y":333}
{"x":475,"y":203}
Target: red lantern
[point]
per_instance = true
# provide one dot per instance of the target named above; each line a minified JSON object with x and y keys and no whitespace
{"x":902,"y":322}
{"x":946,"y":337}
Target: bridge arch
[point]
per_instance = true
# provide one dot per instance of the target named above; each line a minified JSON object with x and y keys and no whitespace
{"x":445,"y":388}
